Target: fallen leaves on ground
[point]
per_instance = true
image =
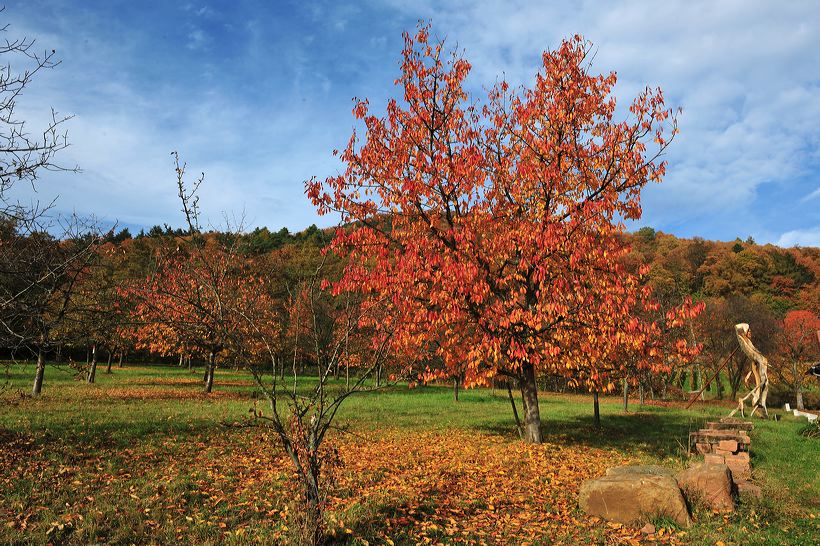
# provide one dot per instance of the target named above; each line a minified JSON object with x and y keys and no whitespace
{"x":451,"y":486}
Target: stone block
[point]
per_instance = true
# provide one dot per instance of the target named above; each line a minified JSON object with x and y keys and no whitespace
{"x":713,"y":458}
{"x":728,"y":445}
{"x":709,"y":483}
{"x":746,"y":489}
{"x":631,"y":498}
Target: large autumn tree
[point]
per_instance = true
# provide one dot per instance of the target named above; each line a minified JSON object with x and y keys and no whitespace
{"x":491,"y":229}
{"x":799,"y":345}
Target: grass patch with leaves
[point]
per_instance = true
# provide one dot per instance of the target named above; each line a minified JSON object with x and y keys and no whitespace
{"x":142,"y":456}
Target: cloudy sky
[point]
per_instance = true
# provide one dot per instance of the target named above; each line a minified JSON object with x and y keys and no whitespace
{"x":257,"y":94}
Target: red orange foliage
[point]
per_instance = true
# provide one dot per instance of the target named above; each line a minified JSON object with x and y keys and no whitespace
{"x":492,"y":231}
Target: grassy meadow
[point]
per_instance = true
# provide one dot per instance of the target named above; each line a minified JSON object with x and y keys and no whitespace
{"x":143,"y":457}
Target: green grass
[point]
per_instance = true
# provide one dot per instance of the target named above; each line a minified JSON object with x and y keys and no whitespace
{"x":79,"y":442}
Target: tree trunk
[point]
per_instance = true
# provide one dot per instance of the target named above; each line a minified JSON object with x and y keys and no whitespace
{"x":122,"y":354}
{"x":719,"y":386}
{"x":640,"y":393}
{"x":596,"y":410}
{"x":798,"y":387}
{"x":110,"y":357}
{"x":626,"y":395}
{"x":188,"y":362}
{"x":209,"y":373}
{"x":92,"y":371}
{"x":181,"y":359}
{"x":38,"y":376}
{"x":311,"y":532}
{"x":529,"y":397}
{"x":455,"y":389}
{"x":379,"y":375}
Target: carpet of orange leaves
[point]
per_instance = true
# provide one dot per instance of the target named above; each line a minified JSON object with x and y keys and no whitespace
{"x":473,"y":488}
{"x":393,"y":486}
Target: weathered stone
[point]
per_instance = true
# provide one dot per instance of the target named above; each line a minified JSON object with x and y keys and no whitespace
{"x":710,"y":483}
{"x":728,"y":445}
{"x":713,"y":458}
{"x":703,"y":449}
{"x":746,"y":489}
{"x":734,"y":424}
{"x":738,"y":457}
{"x":740,"y":471}
{"x":715,"y":436}
{"x":629,"y":497}
{"x":648,"y":529}
{"x":650,"y":469}
{"x":720,"y":451}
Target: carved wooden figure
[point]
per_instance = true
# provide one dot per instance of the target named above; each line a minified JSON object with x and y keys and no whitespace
{"x":760,"y":370}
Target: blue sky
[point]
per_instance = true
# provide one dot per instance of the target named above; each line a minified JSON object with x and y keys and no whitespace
{"x":258,"y":94}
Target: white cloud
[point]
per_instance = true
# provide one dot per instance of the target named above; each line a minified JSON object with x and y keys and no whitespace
{"x":813,"y":195}
{"x":800,"y":237}
{"x":740,"y":69}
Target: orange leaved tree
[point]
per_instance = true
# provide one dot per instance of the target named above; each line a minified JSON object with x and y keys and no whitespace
{"x":799,"y":344}
{"x":492,"y":229}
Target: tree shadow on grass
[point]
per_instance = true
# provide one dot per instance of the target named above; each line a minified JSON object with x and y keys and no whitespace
{"x":658,"y":435}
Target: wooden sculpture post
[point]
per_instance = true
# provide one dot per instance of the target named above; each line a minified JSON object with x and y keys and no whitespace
{"x":760,"y":370}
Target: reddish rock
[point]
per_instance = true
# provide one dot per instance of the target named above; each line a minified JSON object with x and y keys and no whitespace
{"x":709,"y":483}
{"x":734,"y":424}
{"x":724,"y":452}
{"x":713,"y":458}
{"x":738,"y":458}
{"x":728,"y":445}
{"x":746,"y":489}
{"x":648,"y":529}
{"x":630,"y":498}
{"x":703,"y":449}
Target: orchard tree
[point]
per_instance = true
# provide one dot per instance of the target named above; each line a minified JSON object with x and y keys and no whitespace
{"x":493,"y":229}
{"x":799,"y":344}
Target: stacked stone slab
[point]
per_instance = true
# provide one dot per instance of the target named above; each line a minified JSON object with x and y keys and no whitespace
{"x":725,"y":442}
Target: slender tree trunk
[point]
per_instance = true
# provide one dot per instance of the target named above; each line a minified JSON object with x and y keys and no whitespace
{"x":719,"y":386}
{"x":38,"y":375}
{"x":596,"y":410}
{"x":529,"y":397}
{"x":347,"y":374}
{"x":181,"y":359}
{"x":626,"y":395}
{"x":515,"y":411}
{"x":209,"y":381}
{"x":311,"y":533}
{"x":640,"y":393}
{"x":188,"y":362}
{"x":59,"y":356}
{"x":455,"y":388}
{"x":798,"y":390}
{"x":92,"y":371}
{"x":122,"y":354}
{"x":110,"y":358}
{"x":379,"y":375}
{"x":207,"y":372}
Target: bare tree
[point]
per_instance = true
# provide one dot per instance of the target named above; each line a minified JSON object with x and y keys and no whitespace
{"x":24,"y":154}
{"x":39,"y":277}
{"x":333,"y":334}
